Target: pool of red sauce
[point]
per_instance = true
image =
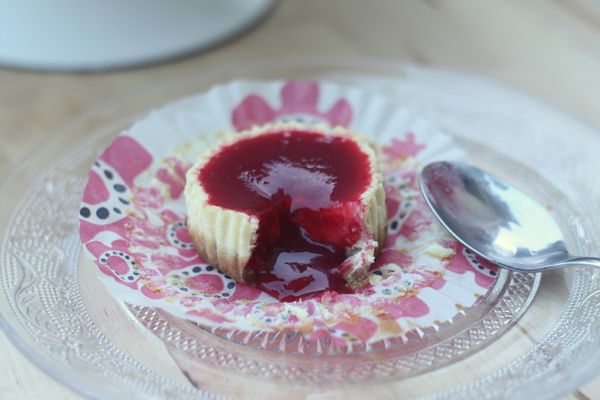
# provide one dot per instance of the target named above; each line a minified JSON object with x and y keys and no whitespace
{"x":305,"y":189}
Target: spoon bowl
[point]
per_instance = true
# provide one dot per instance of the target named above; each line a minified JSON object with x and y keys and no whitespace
{"x":494,"y":219}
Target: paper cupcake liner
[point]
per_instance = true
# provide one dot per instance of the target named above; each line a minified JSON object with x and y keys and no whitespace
{"x":133,"y":220}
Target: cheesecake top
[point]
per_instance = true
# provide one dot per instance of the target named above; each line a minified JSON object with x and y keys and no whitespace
{"x":297,"y":169}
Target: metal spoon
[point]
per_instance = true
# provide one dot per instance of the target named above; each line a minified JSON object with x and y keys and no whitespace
{"x":495,"y":220}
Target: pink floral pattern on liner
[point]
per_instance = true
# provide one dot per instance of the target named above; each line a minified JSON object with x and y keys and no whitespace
{"x":464,"y":261}
{"x":173,"y":174}
{"x":299,"y":101}
{"x":145,"y":247}
{"x":400,"y":149}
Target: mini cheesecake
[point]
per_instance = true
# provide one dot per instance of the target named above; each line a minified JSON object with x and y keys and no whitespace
{"x":301,"y":196}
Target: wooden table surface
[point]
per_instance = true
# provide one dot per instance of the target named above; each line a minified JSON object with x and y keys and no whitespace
{"x":547,"y":48}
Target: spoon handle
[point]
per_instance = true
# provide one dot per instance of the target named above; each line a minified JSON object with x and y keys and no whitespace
{"x":589,"y":261}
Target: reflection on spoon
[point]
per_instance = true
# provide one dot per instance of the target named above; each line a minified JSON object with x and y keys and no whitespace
{"x":495,"y":220}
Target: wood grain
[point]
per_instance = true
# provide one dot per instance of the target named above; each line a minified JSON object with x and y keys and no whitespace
{"x":548,"y":48}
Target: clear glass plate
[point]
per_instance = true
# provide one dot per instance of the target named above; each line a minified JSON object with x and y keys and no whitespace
{"x":60,"y":316}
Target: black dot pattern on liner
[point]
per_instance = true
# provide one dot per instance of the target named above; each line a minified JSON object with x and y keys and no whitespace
{"x":395,"y":223}
{"x":172,"y":235}
{"x":189,"y":272}
{"x":132,"y":273}
{"x":102,"y":213}
{"x":107,"y":212}
{"x":473,"y":261}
